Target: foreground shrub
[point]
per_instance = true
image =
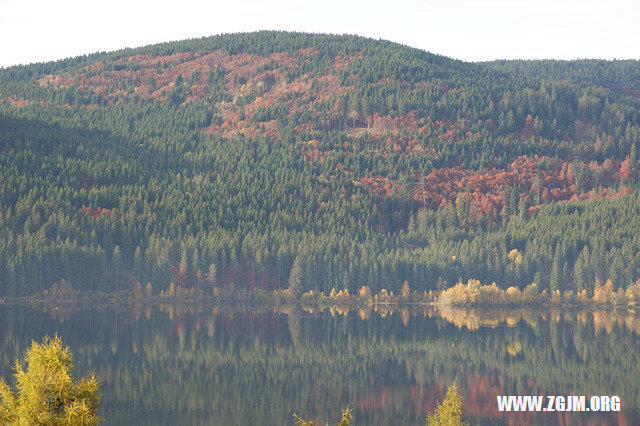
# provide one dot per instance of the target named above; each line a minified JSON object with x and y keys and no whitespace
{"x":449,"y":411}
{"x":345,"y":420}
{"x":46,"y":392}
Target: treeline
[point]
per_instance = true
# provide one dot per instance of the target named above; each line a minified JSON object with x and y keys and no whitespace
{"x":254,"y":153}
{"x":618,"y":75}
{"x":475,"y":294}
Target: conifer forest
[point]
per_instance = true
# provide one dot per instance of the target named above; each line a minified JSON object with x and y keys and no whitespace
{"x":238,"y":161}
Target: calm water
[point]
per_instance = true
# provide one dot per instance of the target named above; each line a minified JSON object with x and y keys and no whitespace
{"x":227,"y":367}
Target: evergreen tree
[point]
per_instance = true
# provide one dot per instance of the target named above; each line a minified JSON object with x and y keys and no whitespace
{"x":296,"y":277}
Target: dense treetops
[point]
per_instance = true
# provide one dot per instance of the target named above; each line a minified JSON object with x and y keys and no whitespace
{"x":357,"y":162}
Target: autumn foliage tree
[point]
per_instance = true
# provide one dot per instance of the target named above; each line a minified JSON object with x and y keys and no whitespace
{"x":46,"y":393}
{"x":345,"y":419}
{"x":626,"y":170}
{"x":449,"y":411}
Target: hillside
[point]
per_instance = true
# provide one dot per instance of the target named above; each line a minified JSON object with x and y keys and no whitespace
{"x":367,"y":161}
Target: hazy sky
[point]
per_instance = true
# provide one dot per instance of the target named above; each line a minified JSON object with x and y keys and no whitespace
{"x":39,"y":30}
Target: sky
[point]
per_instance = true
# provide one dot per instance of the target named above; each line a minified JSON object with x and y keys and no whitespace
{"x":472,"y":30}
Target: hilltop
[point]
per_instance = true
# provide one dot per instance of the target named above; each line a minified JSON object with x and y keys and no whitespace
{"x":368,"y":161}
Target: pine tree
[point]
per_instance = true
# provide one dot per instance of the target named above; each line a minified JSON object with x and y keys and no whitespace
{"x":405,"y":291}
{"x":295,"y":277}
{"x":554,"y":277}
{"x":211,"y":276}
{"x":116,"y":258}
{"x":137,"y":262}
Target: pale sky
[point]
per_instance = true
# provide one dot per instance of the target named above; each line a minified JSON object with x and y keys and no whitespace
{"x":472,"y":30}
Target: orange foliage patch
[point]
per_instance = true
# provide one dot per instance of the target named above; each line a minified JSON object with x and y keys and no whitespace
{"x":484,"y":191}
{"x":94,"y":213}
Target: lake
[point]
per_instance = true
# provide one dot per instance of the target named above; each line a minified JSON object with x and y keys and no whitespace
{"x":228,"y":366}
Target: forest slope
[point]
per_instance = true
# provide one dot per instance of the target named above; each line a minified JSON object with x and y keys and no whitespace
{"x":369,"y":162}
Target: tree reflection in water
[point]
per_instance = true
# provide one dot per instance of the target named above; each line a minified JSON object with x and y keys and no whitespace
{"x":171,"y":365}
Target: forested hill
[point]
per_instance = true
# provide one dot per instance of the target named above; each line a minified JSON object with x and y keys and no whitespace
{"x":228,"y":161}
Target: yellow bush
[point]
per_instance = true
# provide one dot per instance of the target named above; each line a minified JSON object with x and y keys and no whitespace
{"x":515,"y":256}
{"x":583,"y":297}
{"x":514,"y":295}
{"x":530,"y":294}
{"x":365,"y":293}
{"x":333,"y":294}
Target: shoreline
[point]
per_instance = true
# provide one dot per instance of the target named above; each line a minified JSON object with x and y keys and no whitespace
{"x":85,"y":300}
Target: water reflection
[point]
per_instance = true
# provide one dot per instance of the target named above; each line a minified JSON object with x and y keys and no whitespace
{"x":177,"y":365}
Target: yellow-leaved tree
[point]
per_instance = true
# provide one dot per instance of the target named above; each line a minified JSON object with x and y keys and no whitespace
{"x":448,"y":412}
{"x":345,"y":420}
{"x":46,"y":393}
